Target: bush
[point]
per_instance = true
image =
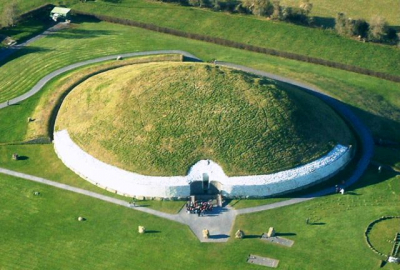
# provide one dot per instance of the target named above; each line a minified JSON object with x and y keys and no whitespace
{"x":377,"y":29}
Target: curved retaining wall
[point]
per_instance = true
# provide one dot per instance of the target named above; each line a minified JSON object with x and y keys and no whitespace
{"x":133,"y":184}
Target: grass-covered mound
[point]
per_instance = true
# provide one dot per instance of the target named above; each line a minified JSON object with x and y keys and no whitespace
{"x":161,"y":118}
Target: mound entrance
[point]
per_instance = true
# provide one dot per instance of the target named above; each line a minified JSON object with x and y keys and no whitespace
{"x":161,"y":118}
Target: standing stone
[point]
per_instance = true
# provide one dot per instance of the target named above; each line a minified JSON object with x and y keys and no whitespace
{"x":239,"y":234}
{"x":15,"y":156}
{"x":206,"y":234}
{"x":142,"y":229}
{"x":271,"y":232}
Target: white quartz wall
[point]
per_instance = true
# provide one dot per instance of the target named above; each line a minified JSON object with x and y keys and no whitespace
{"x":133,"y":184}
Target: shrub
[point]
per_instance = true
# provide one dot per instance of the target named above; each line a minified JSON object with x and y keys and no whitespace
{"x":377,"y":29}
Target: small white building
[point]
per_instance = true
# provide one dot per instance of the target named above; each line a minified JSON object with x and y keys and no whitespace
{"x":60,"y":13}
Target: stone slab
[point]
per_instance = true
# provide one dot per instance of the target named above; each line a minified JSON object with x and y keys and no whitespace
{"x":278,"y":240}
{"x":264,"y":261}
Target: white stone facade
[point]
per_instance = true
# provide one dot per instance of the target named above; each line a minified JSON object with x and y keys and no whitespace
{"x":133,"y":184}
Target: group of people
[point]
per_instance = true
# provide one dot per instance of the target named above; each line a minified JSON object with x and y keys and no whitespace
{"x":198,"y":208}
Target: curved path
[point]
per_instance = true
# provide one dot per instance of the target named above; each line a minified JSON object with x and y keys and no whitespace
{"x":221,"y":223}
{"x":39,"y":85}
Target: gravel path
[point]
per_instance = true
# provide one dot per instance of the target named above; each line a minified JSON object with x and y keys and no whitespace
{"x":219,"y":223}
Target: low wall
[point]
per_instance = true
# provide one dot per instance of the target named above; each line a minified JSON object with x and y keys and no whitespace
{"x":132,"y":184}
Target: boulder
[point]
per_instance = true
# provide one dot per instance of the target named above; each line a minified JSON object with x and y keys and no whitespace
{"x":141,"y":229}
{"x":271,"y":232}
{"x":206,"y":233}
{"x":239,"y":234}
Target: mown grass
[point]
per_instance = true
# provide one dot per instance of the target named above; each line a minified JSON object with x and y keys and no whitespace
{"x":337,"y":226}
{"x":374,"y":100}
{"x":252,"y":30}
{"x":42,"y":232}
{"x":161,"y":118}
{"x":41,"y":160}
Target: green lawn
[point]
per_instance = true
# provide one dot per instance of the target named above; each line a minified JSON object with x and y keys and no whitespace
{"x":383,"y":233}
{"x":41,"y":160}
{"x":318,"y":43}
{"x":364,"y":9}
{"x":334,"y":219}
{"x":42,"y":232}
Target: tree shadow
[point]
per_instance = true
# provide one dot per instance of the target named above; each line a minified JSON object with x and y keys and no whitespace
{"x":324,"y":22}
{"x":74,"y":33}
{"x":9,"y":54}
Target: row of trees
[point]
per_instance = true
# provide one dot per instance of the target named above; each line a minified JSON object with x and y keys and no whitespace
{"x":266,"y":8}
{"x":376,"y":30}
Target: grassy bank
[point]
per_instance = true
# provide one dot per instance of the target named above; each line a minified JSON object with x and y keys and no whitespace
{"x":252,"y":30}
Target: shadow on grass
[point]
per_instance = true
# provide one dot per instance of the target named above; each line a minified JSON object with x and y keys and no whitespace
{"x":9,"y":54}
{"x":317,"y":223}
{"x":23,"y":158}
{"x":152,"y":231}
{"x":251,"y":236}
{"x":287,"y":234}
{"x":79,"y":34}
{"x":324,"y":22}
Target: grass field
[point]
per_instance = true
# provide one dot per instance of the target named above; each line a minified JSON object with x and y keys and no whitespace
{"x":144,"y":118}
{"x":364,"y":9}
{"x":42,"y":232}
{"x":41,"y":160}
{"x":318,"y":43}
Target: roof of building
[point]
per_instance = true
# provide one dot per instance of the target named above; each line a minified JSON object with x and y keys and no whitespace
{"x":61,"y":10}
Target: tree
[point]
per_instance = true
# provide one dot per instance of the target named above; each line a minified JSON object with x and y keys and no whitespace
{"x":377,"y":28}
{"x":9,"y":15}
{"x":277,"y":13}
{"x":259,"y":7}
{"x":306,"y":6}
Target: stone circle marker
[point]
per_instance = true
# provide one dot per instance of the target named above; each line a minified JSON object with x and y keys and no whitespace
{"x":263,"y":261}
{"x":141,"y":229}
{"x":271,"y":232}
{"x":206,"y":234}
{"x":81,"y":219}
{"x":15,"y":156}
{"x":239,"y":234}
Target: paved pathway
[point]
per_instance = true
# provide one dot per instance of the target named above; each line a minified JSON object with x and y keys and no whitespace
{"x":221,"y":221}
